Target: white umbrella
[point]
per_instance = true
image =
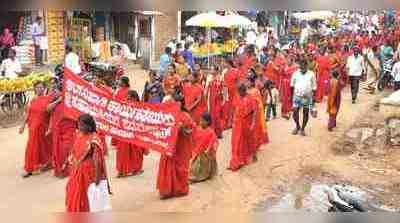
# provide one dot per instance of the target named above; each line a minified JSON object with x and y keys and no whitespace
{"x":209,"y":19}
{"x":234,"y":20}
{"x":313,"y":15}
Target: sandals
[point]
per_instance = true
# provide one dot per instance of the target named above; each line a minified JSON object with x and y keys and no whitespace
{"x":26,"y":175}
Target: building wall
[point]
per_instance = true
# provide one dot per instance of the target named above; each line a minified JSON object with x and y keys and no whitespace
{"x":166,"y":28}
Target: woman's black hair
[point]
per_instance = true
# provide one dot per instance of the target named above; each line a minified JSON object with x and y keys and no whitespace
{"x":242,"y":88}
{"x":231,"y":63}
{"x":195,"y":75}
{"x":88,"y":121}
{"x":178,"y":97}
{"x":252,"y":76}
{"x":68,"y":47}
{"x":125,"y":81}
{"x":133,"y":94}
{"x":207,"y":117}
{"x":173,"y":66}
{"x":335,"y":74}
{"x":152,"y":73}
{"x":187,"y":46}
{"x":168,"y":50}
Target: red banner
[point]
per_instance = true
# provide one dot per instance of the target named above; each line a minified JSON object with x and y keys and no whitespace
{"x":153,"y":126}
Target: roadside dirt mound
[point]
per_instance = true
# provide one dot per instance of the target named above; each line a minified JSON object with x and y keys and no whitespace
{"x":371,"y":136}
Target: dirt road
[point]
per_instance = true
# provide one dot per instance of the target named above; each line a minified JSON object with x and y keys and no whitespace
{"x":279,"y":164}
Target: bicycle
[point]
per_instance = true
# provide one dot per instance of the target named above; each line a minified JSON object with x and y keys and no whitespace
{"x":11,"y":103}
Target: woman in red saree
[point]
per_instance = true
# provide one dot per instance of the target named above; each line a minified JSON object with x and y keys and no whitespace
{"x":247,"y":62}
{"x":334,"y":59}
{"x":121,"y":95}
{"x":244,"y":120}
{"x":231,"y":80}
{"x":215,"y":98}
{"x":272,"y":69}
{"x":173,"y":172}
{"x":260,"y":134}
{"x":38,"y":149}
{"x":62,"y":131}
{"x":286,"y":91}
{"x":202,"y":77}
{"x":195,"y":100}
{"x":130,"y":156}
{"x":261,"y":83}
{"x":88,"y":165}
{"x":204,"y":155}
{"x":248,"y":59}
{"x":334,"y":99}
{"x":345,"y":53}
{"x":171,"y":81}
{"x":323,"y":70}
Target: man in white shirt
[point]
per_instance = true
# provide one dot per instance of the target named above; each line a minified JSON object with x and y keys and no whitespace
{"x":72,"y":61}
{"x":37,"y":33}
{"x":262,"y":40}
{"x":10,"y":67}
{"x":396,"y":75}
{"x":251,"y":37}
{"x":304,"y":35}
{"x":304,"y":85}
{"x":172,"y":45}
{"x":355,"y":69}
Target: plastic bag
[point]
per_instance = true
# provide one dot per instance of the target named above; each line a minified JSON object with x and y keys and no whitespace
{"x":98,"y":197}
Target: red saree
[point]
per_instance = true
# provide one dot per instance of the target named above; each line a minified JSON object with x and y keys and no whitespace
{"x":192,"y":93}
{"x":173,"y":172}
{"x":171,"y":82}
{"x":286,"y":92}
{"x":129,"y":158}
{"x":84,"y":173}
{"x":230,"y":80}
{"x":271,"y":72}
{"x":242,"y":150}
{"x":215,"y":101}
{"x":63,"y":131}
{"x":38,"y":149}
{"x":323,"y":72}
{"x":260,"y":134}
{"x":204,"y":161}
{"x":280,"y":62}
{"x":121,"y":95}
{"x":334,"y":100}
{"x":204,"y":139}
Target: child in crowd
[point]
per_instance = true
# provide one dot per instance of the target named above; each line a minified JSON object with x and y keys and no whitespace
{"x":272,"y":100}
{"x":204,"y":161}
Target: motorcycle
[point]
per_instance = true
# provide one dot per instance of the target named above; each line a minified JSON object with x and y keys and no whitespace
{"x":342,"y":199}
{"x":385,"y":79}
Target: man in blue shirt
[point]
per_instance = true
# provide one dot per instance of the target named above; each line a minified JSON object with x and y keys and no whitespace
{"x":165,"y":60}
{"x":188,"y":55}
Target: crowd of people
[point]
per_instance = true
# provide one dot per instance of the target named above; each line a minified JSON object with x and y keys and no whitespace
{"x":241,"y":93}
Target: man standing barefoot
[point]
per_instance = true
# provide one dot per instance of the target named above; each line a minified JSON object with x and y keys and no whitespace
{"x":303,"y":85}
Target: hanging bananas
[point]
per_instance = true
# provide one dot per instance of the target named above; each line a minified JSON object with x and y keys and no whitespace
{"x":25,"y":83}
